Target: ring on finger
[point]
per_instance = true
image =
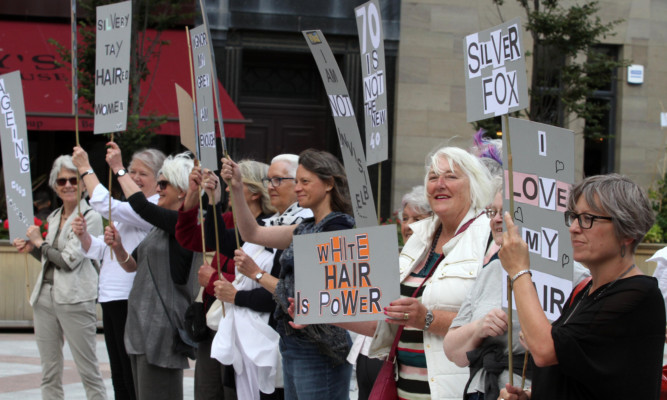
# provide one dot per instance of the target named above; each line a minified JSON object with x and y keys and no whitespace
{"x":406,"y":316}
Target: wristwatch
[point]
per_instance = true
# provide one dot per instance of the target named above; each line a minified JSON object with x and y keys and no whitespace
{"x":429,"y":319}
{"x":121,"y":172}
{"x":90,"y":171}
{"x":259,"y":276}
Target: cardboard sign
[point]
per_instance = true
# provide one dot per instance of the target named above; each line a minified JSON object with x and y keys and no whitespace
{"x":543,"y":174}
{"x":495,"y":69}
{"x":112,"y":66}
{"x":201,"y":58}
{"x":186,"y":120}
{"x":345,"y":276}
{"x":351,"y":147}
{"x":15,"y":155}
{"x":371,"y":47}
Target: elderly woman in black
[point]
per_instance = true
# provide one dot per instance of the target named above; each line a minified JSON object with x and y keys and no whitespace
{"x":608,"y":342}
{"x":165,"y":282}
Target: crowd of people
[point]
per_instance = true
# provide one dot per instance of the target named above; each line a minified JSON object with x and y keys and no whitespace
{"x":156,"y":259}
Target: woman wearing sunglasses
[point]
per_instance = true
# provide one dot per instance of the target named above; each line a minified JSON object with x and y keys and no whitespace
{"x":608,"y":342}
{"x":63,"y":299}
{"x":163,"y":286}
{"x":115,"y":283}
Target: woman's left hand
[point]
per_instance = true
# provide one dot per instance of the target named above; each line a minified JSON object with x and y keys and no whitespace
{"x":35,"y":235}
{"x":406,"y":311}
{"x":114,"y":157}
{"x":290,"y":311}
{"x":514,"y":252}
{"x":225,"y":291}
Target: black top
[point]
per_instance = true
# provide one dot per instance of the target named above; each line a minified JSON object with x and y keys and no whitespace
{"x":608,"y":347}
{"x":180,"y":259}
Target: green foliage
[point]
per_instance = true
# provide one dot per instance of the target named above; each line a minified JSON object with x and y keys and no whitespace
{"x":560,"y":83}
{"x":145,"y":47}
{"x":658,"y":197}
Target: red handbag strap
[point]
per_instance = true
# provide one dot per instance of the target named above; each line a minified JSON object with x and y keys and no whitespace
{"x":394,"y":346}
{"x":579,"y":288}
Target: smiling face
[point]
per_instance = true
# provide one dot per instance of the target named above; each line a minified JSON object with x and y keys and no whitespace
{"x":596,"y":245}
{"x":311,"y":191}
{"x":497,"y":220}
{"x":143,"y":177}
{"x":448,"y":192}
{"x":170,"y":197}
{"x":282,"y":196}
{"x":67,"y":192}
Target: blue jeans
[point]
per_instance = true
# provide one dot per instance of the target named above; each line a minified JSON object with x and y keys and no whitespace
{"x":310,"y":375}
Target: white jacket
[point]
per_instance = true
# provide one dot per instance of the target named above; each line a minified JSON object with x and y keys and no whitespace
{"x":446,"y":290}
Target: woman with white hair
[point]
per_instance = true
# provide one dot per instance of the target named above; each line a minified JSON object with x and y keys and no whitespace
{"x":115,"y":283}
{"x":163,"y":286}
{"x":63,"y":299}
{"x":438,"y":266}
{"x":414,"y":207}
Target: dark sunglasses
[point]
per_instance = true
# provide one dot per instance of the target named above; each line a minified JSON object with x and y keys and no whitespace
{"x":63,"y":181}
{"x":162,"y":184}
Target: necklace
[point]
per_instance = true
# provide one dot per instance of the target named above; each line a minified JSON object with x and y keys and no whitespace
{"x":585,"y":294}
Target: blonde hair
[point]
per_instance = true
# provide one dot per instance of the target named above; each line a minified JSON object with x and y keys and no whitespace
{"x":252,"y":173}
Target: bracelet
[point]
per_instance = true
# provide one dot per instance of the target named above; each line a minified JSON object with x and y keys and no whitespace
{"x":518,"y":274}
{"x":90,"y":171}
{"x":126,"y":259}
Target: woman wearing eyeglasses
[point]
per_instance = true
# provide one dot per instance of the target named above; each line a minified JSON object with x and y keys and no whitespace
{"x":164,"y":283}
{"x":608,"y":342}
{"x":63,"y":299}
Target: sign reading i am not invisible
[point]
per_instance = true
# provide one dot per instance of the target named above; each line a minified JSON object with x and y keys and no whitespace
{"x":15,"y":156}
{"x":371,"y":46}
{"x":345,"y":276}
{"x":201,"y":58}
{"x":543,"y":175}
{"x":495,"y":71}
{"x":347,"y":130}
{"x":112,"y":66}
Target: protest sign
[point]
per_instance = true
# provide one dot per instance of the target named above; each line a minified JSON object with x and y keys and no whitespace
{"x":371,"y":47}
{"x":347,"y":130}
{"x":186,"y":118}
{"x":495,"y":69}
{"x":201,"y":56}
{"x":112,"y":66}
{"x":345,"y":276}
{"x":15,"y":155}
{"x":543,"y":175}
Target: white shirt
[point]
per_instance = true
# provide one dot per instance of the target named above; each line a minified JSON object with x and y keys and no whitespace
{"x":115,"y":283}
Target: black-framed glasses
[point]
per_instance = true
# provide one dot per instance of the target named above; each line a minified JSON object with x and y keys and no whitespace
{"x":275,"y":181}
{"x":585,"y":220}
{"x":162,"y":184}
{"x":63,"y":181}
{"x":492,"y":212}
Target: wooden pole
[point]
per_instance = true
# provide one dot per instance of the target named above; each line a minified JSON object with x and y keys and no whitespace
{"x":379,"y":190}
{"x":75,"y":96}
{"x":110,"y":220}
{"x":510,"y":183}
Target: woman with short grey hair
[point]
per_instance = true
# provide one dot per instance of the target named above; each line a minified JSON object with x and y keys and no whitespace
{"x":608,"y":341}
{"x":414,"y":207}
{"x":64,"y":295}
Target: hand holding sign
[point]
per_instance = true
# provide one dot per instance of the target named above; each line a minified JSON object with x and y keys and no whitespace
{"x":230,"y":172}
{"x":22,"y":245}
{"x":514,"y":252}
{"x":210,"y":183}
{"x":406,"y":311}
{"x":245,"y":264}
{"x":114,"y":157}
{"x":80,"y":159}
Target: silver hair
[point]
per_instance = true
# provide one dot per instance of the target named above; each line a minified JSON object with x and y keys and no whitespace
{"x":151,"y":158}
{"x":481,"y":190}
{"x":495,"y":168}
{"x":416,"y":200}
{"x":64,"y":161}
{"x":176,"y":169}
{"x":292,"y":161}
{"x":622,"y":199}
{"x":497,"y":183}
{"x":252,"y":173}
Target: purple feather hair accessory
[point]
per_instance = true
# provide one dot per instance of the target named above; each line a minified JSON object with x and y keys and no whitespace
{"x":484,"y":148}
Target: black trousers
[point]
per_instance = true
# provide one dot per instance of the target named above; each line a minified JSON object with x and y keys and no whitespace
{"x":114,"y":314}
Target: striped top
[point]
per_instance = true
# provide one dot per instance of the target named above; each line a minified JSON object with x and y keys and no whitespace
{"x":412,"y":372}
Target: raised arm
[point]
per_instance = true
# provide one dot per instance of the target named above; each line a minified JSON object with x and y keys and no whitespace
{"x":115,"y":160}
{"x":82,"y":164}
{"x":278,"y":237}
{"x":534,"y":323}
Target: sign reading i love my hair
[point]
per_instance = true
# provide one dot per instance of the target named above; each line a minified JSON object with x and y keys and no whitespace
{"x":543,"y":175}
{"x":15,"y":156}
{"x":345,"y":276}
